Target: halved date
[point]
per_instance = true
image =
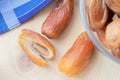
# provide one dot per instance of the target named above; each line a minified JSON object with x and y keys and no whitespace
{"x":37,"y":48}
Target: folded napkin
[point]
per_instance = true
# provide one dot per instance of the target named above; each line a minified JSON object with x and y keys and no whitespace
{"x":15,"y":12}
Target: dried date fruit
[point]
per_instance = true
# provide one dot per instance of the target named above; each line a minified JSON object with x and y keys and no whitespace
{"x":112,"y":34}
{"x":97,"y":14}
{"x":77,"y":57}
{"x":36,"y":47}
{"x":58,"y":18}
{"x":114,"y":5}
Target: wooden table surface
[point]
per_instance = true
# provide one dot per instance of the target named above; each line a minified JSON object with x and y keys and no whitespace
{"x":14,"y":64}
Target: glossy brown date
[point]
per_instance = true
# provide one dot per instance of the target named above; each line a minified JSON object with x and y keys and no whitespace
{"x":78,"y":56}
{"x":97,"y":13}
{"x":114,"y":5}
{"x":58,"y":18}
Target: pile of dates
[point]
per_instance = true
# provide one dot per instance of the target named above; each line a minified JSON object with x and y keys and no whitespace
{"x":103,"y":18}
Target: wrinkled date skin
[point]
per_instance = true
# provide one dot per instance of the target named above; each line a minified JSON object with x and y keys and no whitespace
{"x":58,"y":18}
{"x":101,"y":36}
{"x":112,"y":37}
{"x":112,"y":34}
{"x":116,"y":52}
{"x":97,"y":13}
{"x":77,"y":57}
{"x":114,"y":5}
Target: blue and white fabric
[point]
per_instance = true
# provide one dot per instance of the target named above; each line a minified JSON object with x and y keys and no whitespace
{"x":15,"y":12}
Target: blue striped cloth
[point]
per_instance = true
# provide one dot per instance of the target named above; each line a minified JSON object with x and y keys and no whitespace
{"x":15,"y":12}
